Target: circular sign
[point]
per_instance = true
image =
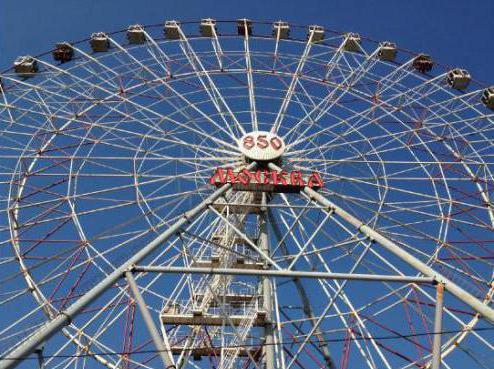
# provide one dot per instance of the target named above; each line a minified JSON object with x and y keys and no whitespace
{"x":261,"y":146}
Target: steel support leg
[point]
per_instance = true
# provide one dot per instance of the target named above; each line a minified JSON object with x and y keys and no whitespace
{"x":269,"y":354}
{"x":438,"y":327}
{"x":164,"y":352}
{"x":483,"y":309}
{"x":65,"y":317}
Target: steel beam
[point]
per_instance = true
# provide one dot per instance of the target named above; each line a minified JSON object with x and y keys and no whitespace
{"x":65,"y":317}
{"x":481,"y":308}
{"x":269,"y":354}
{"x":283,"y":274}
{"x":438,"y":327}
{"x":163,"y":352}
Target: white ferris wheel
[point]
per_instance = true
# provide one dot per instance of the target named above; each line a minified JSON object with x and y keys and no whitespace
{"x":239,"y":194}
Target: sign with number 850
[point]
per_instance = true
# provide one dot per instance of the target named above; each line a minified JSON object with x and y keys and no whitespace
{"x":262,"y":142}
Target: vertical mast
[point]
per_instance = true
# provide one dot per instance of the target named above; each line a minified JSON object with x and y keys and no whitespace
{"x":266,"y":287}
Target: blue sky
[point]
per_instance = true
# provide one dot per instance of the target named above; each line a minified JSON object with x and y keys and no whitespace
{"x":457,"y":33}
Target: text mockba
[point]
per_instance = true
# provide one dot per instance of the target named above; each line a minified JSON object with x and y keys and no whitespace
{"x":266,"y":180}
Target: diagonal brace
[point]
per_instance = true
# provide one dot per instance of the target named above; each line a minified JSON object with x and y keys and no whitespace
{"x":480,"y":307}
{"x":65,"y":317}
{"x":164,"y":352}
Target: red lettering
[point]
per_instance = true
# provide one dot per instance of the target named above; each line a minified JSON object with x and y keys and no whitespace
{"x":296,"y":178}
{"x":315,"y":180}
{"x":245,"y":176}
{"x":252,"y":176}
{"x":218,"y":177}
{"x":248,"y":142}
{"x":276,"y":143}
{"x":258,"y":176}
{"x":279,"y":178}
{"x":266,"y":177}
{"x":230,"y":175}
{"x":262,"y":141}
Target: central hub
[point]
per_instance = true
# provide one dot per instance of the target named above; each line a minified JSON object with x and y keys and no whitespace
{"x":261,"y":146}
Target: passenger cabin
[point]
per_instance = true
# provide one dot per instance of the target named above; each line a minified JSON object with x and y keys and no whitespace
{"x":459,"y":79}
{"x":99,"y":42}
{"x":488,"y":97}
{"x":243,"y":25}
{"x":281,"y":30}
{"x":387,"y":51}
{"x":63,"y":52}
{"x":207,"y":28}
{"x":316,"y":33}
{"x":26,"y":66}
{"x":423,"y":63}
{"x":136,"y":34}
{"x":172,"y":30}
{"x":352,"y":42}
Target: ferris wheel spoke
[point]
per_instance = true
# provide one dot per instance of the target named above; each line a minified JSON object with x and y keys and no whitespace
{"x":404,"y":98}
{"x":43,"y":217}
{"x":291,"y":89}
{"x":450,"y":246}
{"x":418,"y":92}
{"x":142,"y":109}
{"x":180,"y":96}
{"x":250,"y":79}
{"x":383,"y":146}
{"x":457,"y":155}
{"x":227,"y":130}
{"x":128,"y":239}
{"x":377,"y":346}
{"x":415,"y":193}
{"x":332,"y":303}
{"x":118,"y":135}
{"x":351,"y":78}
{"x":91,"y":194}
{"x":218,"y":50}
{"x":300,"y":288}
{"x":415,"y":263}
{"x":209,"y":85}
{"x":67,"y":118}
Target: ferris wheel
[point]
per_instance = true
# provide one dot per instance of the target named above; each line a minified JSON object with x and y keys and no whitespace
{"x":239,"y":194}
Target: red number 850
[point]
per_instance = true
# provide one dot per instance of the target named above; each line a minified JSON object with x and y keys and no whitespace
{"x":262,"y":142}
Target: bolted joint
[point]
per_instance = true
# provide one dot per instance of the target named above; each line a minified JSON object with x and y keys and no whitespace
{"x":67,"y":316}
{"x":360,"y":228}
{"x":188,"y":216}
{"x":130,"y":269}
